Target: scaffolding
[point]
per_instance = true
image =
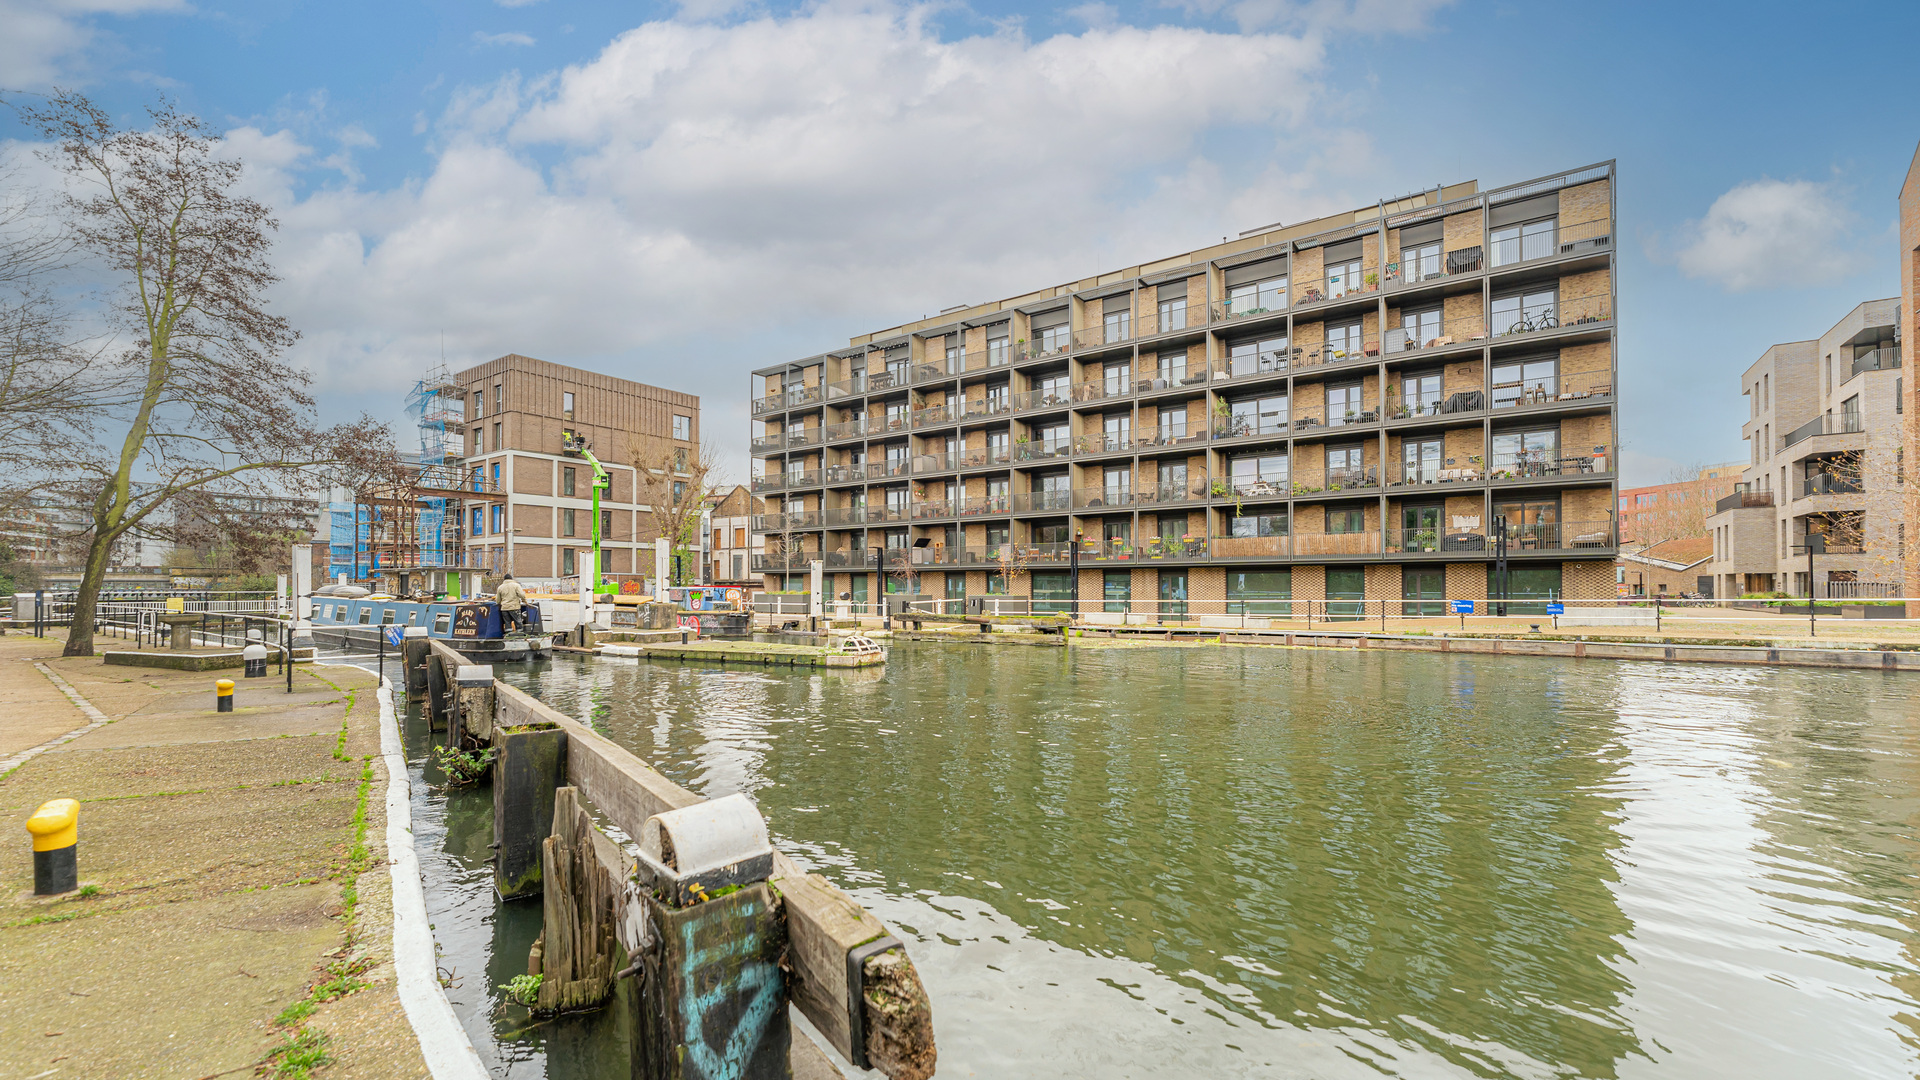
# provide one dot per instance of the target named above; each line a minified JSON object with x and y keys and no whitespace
{"x":433,"y":532}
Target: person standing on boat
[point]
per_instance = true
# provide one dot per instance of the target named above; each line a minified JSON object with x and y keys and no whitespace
{"x":513,"y":602}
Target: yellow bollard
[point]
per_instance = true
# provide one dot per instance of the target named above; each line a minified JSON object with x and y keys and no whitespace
{"x":223,"y":696}
{"x":56,"y":838}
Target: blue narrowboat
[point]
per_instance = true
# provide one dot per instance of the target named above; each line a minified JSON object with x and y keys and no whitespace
{"x":471,"y":626}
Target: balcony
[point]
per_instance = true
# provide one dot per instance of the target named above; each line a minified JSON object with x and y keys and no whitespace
{"x":1345,"y":419}
{"x":1563,"y":315}
{"x":787,"y":522}
{"x":1041,"y":502}
{"x":888,"y":423}
{"x":1041,"y":449}
{"x":984,"y":408}
{"x":1311,"y":356}
{"x":881,"y":513}
{"x":1402,"y":474}
{"x":1559,"y":536}
{"x":1341,"y":480}
{"x":1530,"y":465}
{"x":1462,"y":402}
{"x":931,"y":509}
{"x":890,"y":468}
{"x":1580,"y":387}
{"x":1028,"y":400}
{"x":803,"y":436}
{"x":1172,"y":494}
{"x":1149,"y":548}
{"x":1101,"y":389}
{"x":1254,"y":487}
{"x":1245,"y":427}
{"x":1564,"y":238}
{"x":845,"y":388}
{"x":793,"y":397}
{"x":1038,"y":350}
{"x":840,"y":517}
{"x":774,"y":482}
{"x":1744,"y":500}
{"x":852,"y":429}
{"x":844,"y":474}
{"x":984,"y":505}
{"x":1415,"y":269}
{"x":1829,"y":484}
{"x":1178,"y":316}
{"x":984,"y":458}
{"x":1844,"y":424}
{"x":1161,"y":438}
{"x":935,"y":463}
{"x":936,"y":415}
{"x":1436,"y":541}
{"x":1251,"y":547}
{"x":1339,"y":284}
{"x":1118,"y":332}
{"x":886,"y":380}
{"x":1882,"y":359}
{"x":769,"y":443}
{"x":1268,"y":299}
{"x":1102,"y":498}
{"x":936,"y":370}
{"x":800,"y":478}
{"x":1103,"y":442}
{"x":1316,"y":545}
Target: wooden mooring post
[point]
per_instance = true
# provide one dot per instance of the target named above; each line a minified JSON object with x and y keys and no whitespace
{"x":842,"y":968}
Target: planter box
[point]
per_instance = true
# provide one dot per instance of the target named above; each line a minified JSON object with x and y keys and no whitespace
{"x":1873,"y":611}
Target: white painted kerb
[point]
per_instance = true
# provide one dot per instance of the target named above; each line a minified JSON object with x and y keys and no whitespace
{"x":443,"y":1042}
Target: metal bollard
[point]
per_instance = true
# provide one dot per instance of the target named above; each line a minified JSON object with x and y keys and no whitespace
{"x":56,"y":839}
{"x":255,"y":655}
{"x":223,"y":696}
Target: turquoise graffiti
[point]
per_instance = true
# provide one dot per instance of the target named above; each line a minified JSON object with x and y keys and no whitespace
{"x":728,"y":971}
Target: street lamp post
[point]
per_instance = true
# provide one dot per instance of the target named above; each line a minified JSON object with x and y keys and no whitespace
{"x":1500,"y":565}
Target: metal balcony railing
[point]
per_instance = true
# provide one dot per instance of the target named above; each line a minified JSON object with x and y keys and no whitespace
{"x":1176,"y":435}
{"x":983,"y":505}
{"x":1103,"y":442}
{"x":852,"y":429}
{"x":774,"y":482}
{"x":1102,"y":497}
{"x":1533,"y":465}
{"x":1041,"y":449}
{"x":935,"y":415}
{"x":1829,"y":484}
{"x":1881,"y":359}
{"x":1029,"y":502}
{"x":1743,"y":500}
{"x":983,"y":458}
{"x":769,"y":443}
{"x":843,"y":516}
{"x":1577,"y":387}
{"x":1339,"y":283}
{"x":1117,"y":332}
{"x":1172,"y":493}
{"x":1269,"y":298}
{"x":984,"y":408}
{"x":1027,"y":400}
{"x":1844,"y":424}
{"x":1561,"y":315}
{"x":1181,"y":315}
{"x":1278,"y":486}
{"x":1239,"y":427}
{"x":1558,"y":536}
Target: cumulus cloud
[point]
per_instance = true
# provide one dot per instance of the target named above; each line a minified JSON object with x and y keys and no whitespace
{"x":44,"y":41}
{"x":511,"y":37}
{"x":1769,"y":233}
{"x":1324,"y":16}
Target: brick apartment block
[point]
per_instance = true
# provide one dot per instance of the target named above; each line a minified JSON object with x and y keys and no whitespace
{"x":1334,"y":410}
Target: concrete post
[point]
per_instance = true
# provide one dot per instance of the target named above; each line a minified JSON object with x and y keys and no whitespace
{"x":818,"y":601}
{"x":414,"y":649}
{"x":526,"y":773}
{"x":660,"y":568}
{"x":470,"y":715}
{"x":302,"y":581}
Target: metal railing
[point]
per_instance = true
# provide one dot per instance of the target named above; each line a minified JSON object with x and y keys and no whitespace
{"x":936,"y":414}
{"x":1580,"y":386}
{"x":768,"y":443}
{"x":1185,"y":315}
{"x":1102,"y":389}
{"x":1027,"y":400}
{"x":1172,"y":436}
{"x":1741,"y":500}
{"x":1337,"y":284}
{"x":852,"y":429}
{"x":771,"y":482}
{"x":1264,"y":301}
{"x":984,"y":457}
{"x":1169,"y":494}
{"x":1103,"y":442}
{"x":983,"y":408}
{"x":1240,"y":427}
{"x":1029,"y":502}
{"x":1432,"y":267}
{"x":1829,"y":484}
{"x":1042,"y":449}
{"x":1529,"y":465}
{"x":1436,"y":540}
{"x":841,"y":516}
{"x":1563,"y":314}
{"x":1102,"y":497}
{"x":1881,"y":359}
{"x":1844,"y":424}
{"x":1257,"y":487}
{"x":1119,"y":333}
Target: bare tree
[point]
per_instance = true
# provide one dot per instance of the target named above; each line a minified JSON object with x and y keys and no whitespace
{"x":675,"y":486}
{"x":1877,"y":473}
{"x":192,"y":385}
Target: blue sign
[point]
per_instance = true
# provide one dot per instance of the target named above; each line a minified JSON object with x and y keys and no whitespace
{"x":394,"y":634}
{"x":1556,"y":609}
{"x":1461,"y":607}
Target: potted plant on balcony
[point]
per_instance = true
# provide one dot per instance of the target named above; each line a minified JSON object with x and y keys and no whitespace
{"x":1219,"y":489}
{"x":1422,"y":540}
{"x":1372,"y":280}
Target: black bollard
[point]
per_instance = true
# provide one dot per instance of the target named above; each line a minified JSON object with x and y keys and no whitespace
{"x":223,"y":696}
{"x":56,"y":841}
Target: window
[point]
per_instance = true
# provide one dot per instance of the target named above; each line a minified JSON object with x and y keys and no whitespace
{"x":1118,"y":430}
{"x":567,"y":523}
{"x":1525,"y":382}
{"x":1420,"y":460}
{"x":1343,"y":342}
{"x":1052,"y":339}
{"x":998,"y":350}
{"x":996,"y":583}
{"x":499,"y":398}
{"x":1118,"y":326}
{"x":1420,"y":394}
{"x":1345,"y":465}
{"x":1419,"y":327}
{"x":1054,"y":388}
{"x":1420,"y":262}
{"x":1423,"y":590}
{"x":1171,"y":425}
{"x":1266,"y":415}
{"x":956,"y":359}
{"x":1523,"y":312}
{"x":442,"y":622}
{"x":479,"y":523}
{"x":1534,"y":587}
{"x":1116,"y":590}
{"x":1052,"y":590}
{"x":682,"y":427}
{"x":1268,"y":524}
{"x":1173,"y":314}
{"x":479,"y":404}
{"x":1344,"y":522}
{"x":1343,"y":278}
{"x":1518,"y":243}
{"x":1259,"y":474}
{"x":479,"y":444}
{"x":498,"y":520}
{"x":566,"y":404}
{"x":1173,"y":594}
{"x":1261,"y":357}
{"x":496,"y":475}
{"x":1259,"y":592}
{"x":1256,"y":297}
{"x":1346,"y":592}
{"x":739,"y":538}
{"x":1114,"y":377}
{"x":999,"y":535}
{"x":496,"y":436}
{"x":568,"y":567}
{"x":1343,"y":405}
{"x":956,"y":587}
{"x":1526,"y":453}
{"x":679,"y":459}
{"x":566,"y":480}
{"x":998,"y":398}
{"x":1850,"y":414}
{"x":606,"y":523}
{"x":366,"y":615}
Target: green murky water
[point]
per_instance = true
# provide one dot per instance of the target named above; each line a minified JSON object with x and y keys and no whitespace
{"x":1153,"y":862}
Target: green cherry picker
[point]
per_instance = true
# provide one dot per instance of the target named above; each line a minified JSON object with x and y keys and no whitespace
{"x":575,"y":445}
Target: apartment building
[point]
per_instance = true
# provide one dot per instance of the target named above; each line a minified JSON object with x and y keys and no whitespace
{"x":528,"y":505}
{"x":1339,"y":409}
{"x":726,"y":526}
{"x":1823,"y":430}
{"x":1904,"y":389}
{"x":1662,"y":512}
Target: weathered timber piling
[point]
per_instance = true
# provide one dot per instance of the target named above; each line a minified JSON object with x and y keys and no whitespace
{"x":582,"y":876}
{"x":413,"y":656}
{"x":526,"y":773}
{"x":834,"y":961}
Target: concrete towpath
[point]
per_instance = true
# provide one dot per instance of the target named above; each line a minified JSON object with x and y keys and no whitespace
{"x":238,"y":910}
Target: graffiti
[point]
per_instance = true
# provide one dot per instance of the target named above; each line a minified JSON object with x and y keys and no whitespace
{"x":720,"y":996}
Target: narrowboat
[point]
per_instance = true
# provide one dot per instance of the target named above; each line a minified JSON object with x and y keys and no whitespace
{"x":473,"y":626}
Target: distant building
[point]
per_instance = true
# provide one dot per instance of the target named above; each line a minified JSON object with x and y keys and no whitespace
{"x":527,"y":507}
{"x":1668,"y":568}
{"x":1823,"y":427}
{"x":1649,"y":515}
{"x":1906,"y":393}
{"x":729,"y":540}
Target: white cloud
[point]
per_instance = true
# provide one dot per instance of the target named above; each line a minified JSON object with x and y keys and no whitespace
{"x":1769,"y":233}
{"x":511,"y":37}
{"x":43,"y":40}
{"x":1323,"y":16}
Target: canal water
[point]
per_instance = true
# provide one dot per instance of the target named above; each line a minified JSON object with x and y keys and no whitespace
{"x":1221,"y":862}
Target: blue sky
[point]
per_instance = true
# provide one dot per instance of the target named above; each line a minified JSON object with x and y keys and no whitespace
{"x":679,"y":193}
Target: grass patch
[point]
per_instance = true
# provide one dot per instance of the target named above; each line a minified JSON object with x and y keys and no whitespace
{"x":294,"y":1014}
{"x":56,"y":917}
{"x":149,"y":795}
{"x":298,"y":1055}
{"x":357,"y":857}
{"x":343,"y":978}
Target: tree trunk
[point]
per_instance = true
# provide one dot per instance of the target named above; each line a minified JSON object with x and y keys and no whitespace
{"x":87,"y":600}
